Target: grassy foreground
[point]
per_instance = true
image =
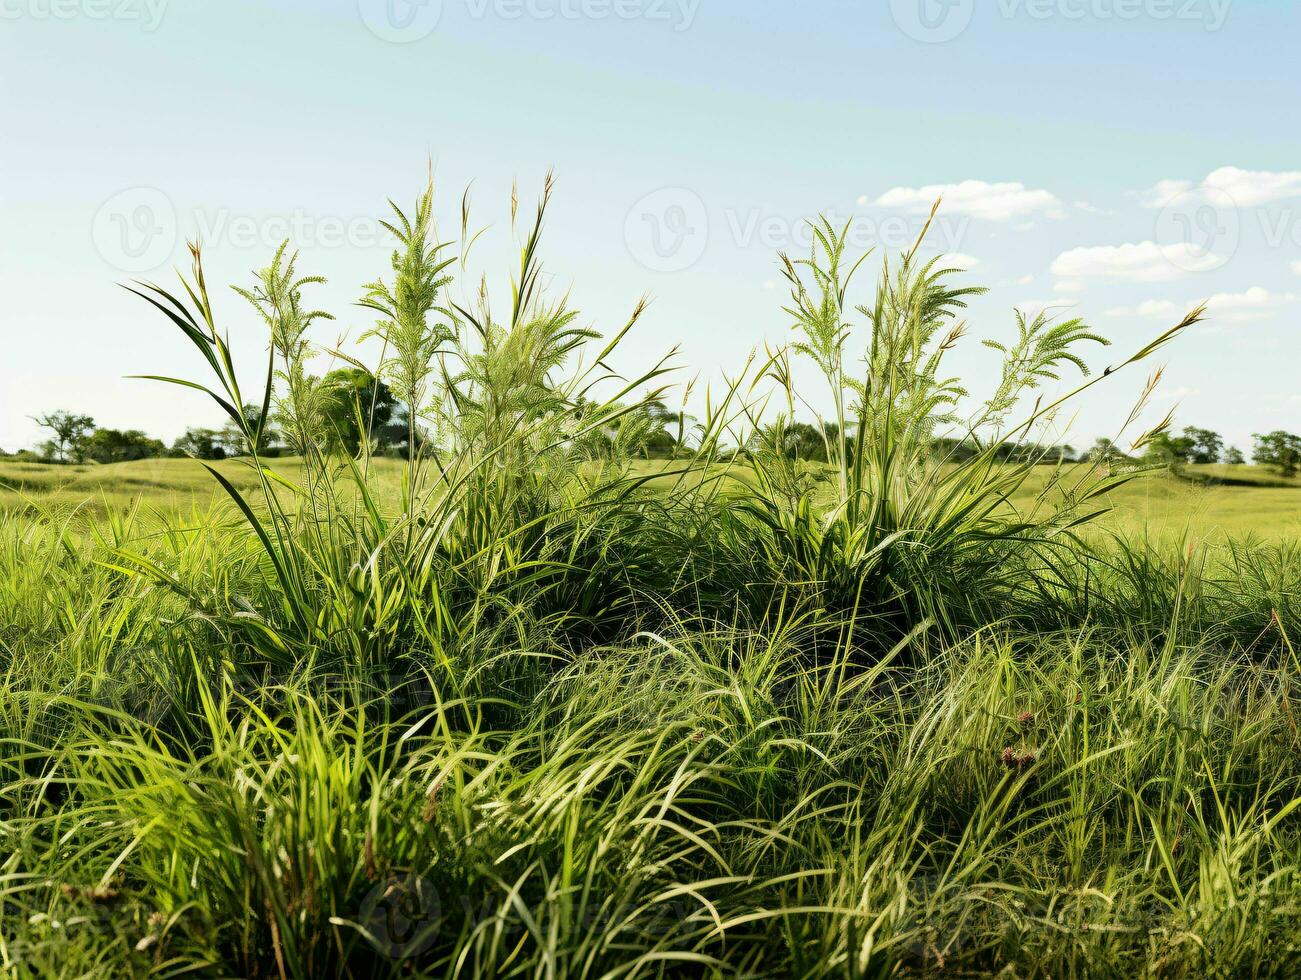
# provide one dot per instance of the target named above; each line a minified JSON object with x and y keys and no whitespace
{"x":523,"y":705}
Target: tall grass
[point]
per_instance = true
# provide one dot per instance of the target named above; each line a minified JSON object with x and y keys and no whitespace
{"x":541,"y":712}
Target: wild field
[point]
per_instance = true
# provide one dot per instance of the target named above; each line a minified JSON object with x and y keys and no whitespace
{"x":1210,"y":504}
{"x":528,"y":704}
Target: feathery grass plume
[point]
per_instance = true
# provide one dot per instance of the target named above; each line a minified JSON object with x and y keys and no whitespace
{"x":278,"y":298}
{"x":820,"y":315}
{"x":1040,"y":348}
{"x":414,"y":329}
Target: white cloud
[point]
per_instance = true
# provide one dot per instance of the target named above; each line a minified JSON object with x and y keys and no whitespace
{"x":1164,"y":192}
{"x":1252,"y":304}
{"x":1033,"y":307}
{"x":957,"y":260}
{"x":978,"y":199}
{"x":1153,"y":308}
{"x":1135,"y":262}
{"x":1250,"y":188}
{"x":1245,"y":188}
{"x":1296,"y":267}
{"x":1176,"y":394}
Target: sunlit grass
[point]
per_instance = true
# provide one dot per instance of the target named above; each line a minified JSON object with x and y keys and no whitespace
{"x":1199,"y":504}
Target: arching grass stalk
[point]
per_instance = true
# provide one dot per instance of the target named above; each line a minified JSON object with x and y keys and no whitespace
{"x":198,"y":323}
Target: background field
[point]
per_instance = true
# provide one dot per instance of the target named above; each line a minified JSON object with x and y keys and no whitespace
{"x":1209,"y":503}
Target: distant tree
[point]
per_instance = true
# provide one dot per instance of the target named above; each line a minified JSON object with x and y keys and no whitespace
{"x":1279,"y":449}
{"x":349,"y":393}
{"x":392,"y":437}
{"x":1233,"y":456}
{"x":1061,"y":454}
{"x":644,"y":429}
{"x":1194,"y":446}
{"x":954,"y":450}
{"x":235,"y":442}
{"x":792,"y":440}
{"x":1161,"y":450}
{"x":69,"y":432}
{"x":1203,"y":445}
{"x":662,"y":439}
{"x":958,"y":451}
{"x":201,"y":444}
{"x":805,"y":441}
{"x":1106,"y":452}
{"x":114,"y":446}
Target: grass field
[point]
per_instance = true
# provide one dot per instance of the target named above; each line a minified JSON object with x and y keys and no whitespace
{"x":526,"y":705}
{"x":1207,"y":503}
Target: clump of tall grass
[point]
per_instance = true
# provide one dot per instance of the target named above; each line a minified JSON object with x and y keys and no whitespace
{"x":495,"y":514}
{"x":902,"y":527}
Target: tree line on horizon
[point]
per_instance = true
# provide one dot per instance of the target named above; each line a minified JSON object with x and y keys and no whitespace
{"x":1280,"y":450}
{"x":76,"y":438}
{"x":360,"y":409}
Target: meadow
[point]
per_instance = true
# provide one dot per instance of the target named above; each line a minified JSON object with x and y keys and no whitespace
{"x":1203,"y":502}
{"x":526,"y":703}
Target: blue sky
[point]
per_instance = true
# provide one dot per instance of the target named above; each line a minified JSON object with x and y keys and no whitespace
{"x":1123,"y":159}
